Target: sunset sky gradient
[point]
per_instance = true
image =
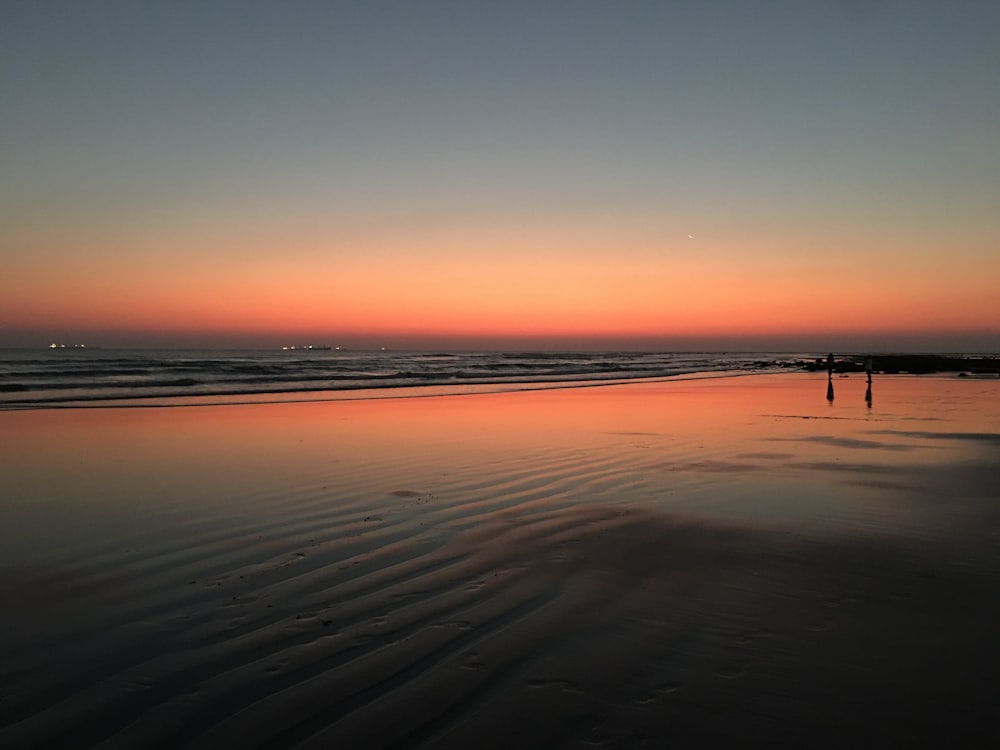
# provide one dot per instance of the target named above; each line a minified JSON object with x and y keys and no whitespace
{"x":664,"y":175}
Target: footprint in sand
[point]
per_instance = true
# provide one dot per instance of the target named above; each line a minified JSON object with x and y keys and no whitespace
{"x":460,"y":624}
{"x":733,"y":669}
{"x":566,"y":685}
{"x":472,"y":661}
{"x":278,"y":667}
{"x":658,"y":692}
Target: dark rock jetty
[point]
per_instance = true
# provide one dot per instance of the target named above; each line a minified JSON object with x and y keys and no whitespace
{"x":915,"y":364}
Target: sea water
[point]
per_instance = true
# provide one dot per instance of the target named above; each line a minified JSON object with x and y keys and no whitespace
{"x":38,"y":378}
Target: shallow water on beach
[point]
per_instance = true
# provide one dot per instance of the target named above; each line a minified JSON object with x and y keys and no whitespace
{"x":78,"y":473}
{"x":298,"y":573}
{"x":32,"y":379}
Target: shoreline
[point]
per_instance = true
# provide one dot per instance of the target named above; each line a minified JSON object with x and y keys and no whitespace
{"x":360,"y":393}
{"x":903,"y":364}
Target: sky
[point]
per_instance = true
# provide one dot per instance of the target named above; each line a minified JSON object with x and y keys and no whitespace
{"x":523,"y":175}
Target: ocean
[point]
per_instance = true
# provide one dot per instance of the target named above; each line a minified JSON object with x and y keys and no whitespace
{"x":65,"y":377}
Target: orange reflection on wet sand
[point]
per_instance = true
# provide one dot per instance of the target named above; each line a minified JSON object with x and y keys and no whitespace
{"x":718,"y":435}
{"x":379,"y":572}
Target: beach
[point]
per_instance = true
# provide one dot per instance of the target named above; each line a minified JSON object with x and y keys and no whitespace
{"x":660,"y":564}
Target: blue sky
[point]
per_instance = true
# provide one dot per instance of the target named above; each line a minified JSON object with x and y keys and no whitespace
{"x":143,"y":135}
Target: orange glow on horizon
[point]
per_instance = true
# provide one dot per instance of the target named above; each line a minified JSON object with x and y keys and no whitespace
{"x":553,"y":284}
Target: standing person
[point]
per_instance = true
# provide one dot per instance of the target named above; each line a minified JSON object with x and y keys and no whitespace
{"x":868,"y":372}
{"x":829,"y":377}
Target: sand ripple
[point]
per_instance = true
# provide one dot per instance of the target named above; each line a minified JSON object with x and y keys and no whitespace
{"x":523,"y":605}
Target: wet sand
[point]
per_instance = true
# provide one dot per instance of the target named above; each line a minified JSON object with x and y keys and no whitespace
{"x":672,"y":564}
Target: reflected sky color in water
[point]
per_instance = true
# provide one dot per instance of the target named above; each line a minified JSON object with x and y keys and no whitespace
{"x":761,"y":448}
{"x":243,"y":564}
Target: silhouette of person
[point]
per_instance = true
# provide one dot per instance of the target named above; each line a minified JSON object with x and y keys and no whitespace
{"x":868,"y":372}
{"x":829,"y":377}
